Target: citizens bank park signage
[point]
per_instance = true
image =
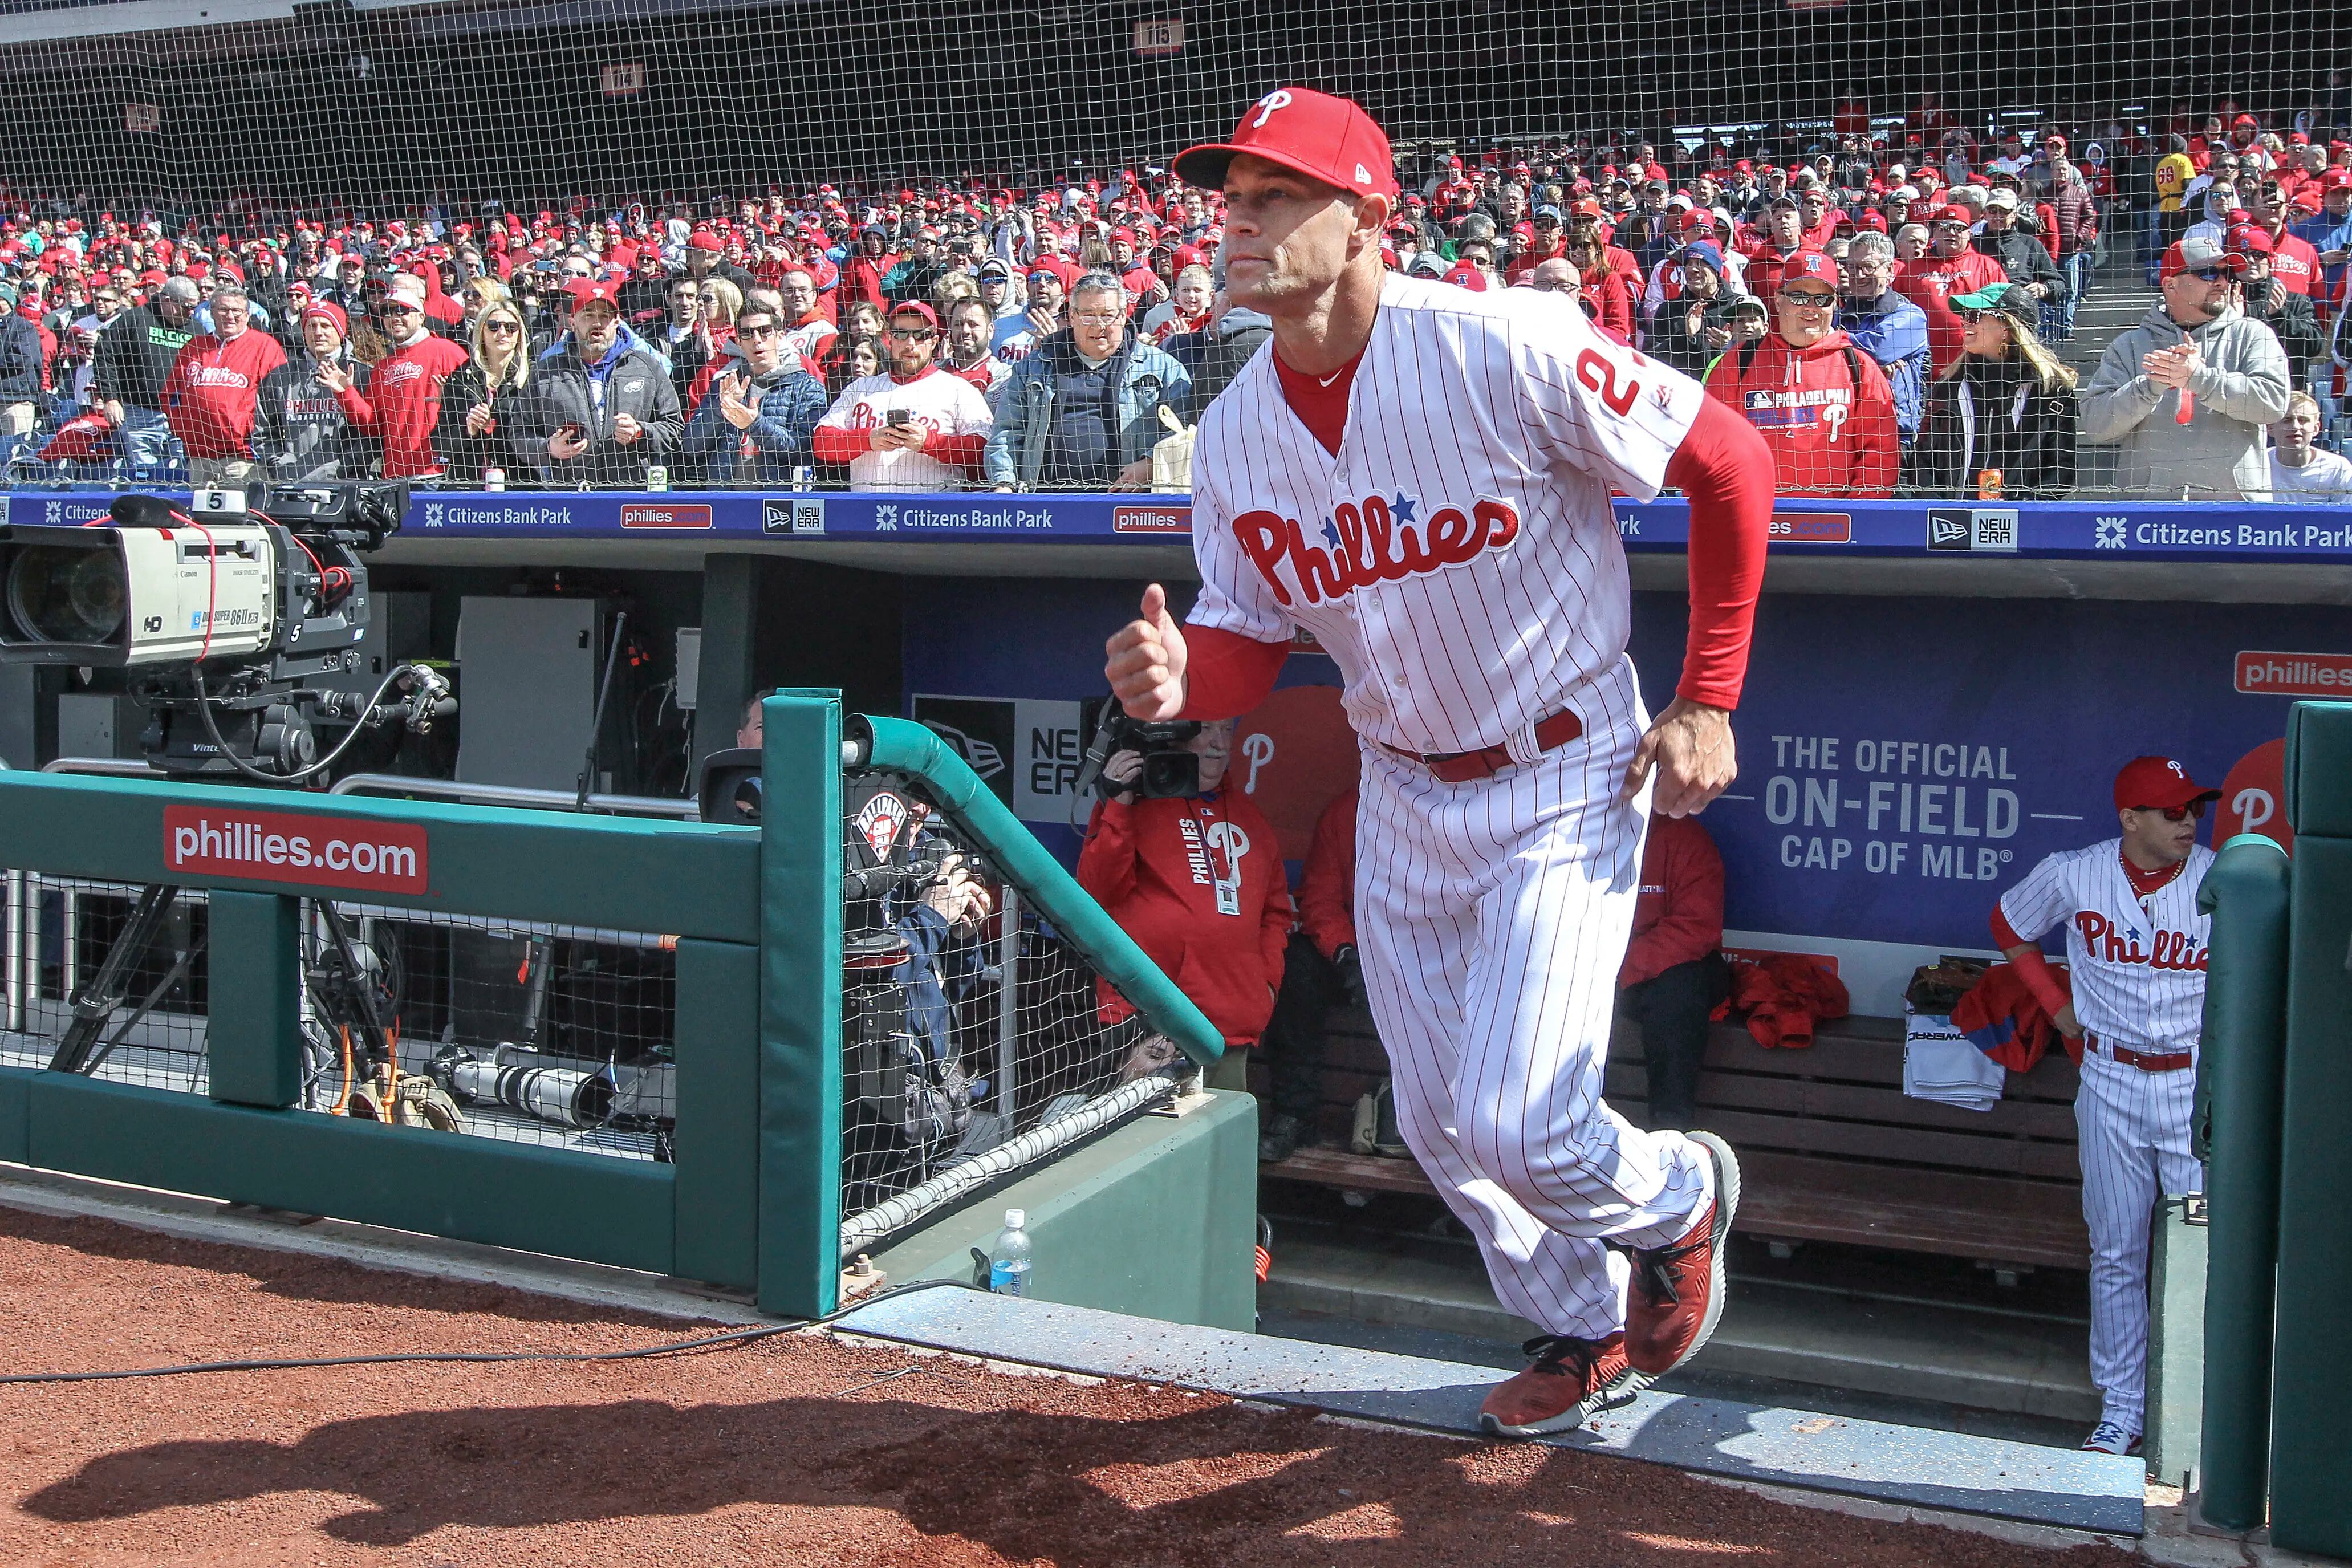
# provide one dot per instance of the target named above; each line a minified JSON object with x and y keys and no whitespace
{"x":2091,"y":531}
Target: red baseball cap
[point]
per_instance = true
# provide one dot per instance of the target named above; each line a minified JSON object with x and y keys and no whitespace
{"x":1810,"y":264}
{"x":1313,"y":134}
{"x":916,"y":308}
{"x":1464,"y":276}
{"x":2246,"y":239}
{"x":586,"y":291}
{"x":703,"y":239}
{"x":2159,"y":782}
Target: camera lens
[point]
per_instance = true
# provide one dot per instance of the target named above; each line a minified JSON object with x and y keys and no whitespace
{"x":57,"y":594}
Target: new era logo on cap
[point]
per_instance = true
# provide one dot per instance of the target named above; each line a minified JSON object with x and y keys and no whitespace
{"x":1314,"y":133}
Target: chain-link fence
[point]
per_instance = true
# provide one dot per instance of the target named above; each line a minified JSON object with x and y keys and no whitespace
{"x":556,"y":1035}
{"x":975,"y":1040}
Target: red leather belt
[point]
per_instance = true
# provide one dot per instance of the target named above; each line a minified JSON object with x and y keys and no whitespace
{"x":1465,"y":767}
{"x":2165,"y":1061}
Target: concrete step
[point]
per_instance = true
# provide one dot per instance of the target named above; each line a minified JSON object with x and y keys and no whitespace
{"x":2020,"y":1363}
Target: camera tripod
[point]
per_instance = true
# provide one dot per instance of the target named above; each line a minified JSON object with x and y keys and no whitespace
{"x":350,"y":1017}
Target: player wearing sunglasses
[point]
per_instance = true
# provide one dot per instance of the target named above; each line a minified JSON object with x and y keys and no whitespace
{"x":2186,"y":392}
{"x":2135,"y":947}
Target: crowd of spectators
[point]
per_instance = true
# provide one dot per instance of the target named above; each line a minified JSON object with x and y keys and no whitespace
{"x":1884,"y":305}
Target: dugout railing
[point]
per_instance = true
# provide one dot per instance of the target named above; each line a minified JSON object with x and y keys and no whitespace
{"x":612,"y":1039}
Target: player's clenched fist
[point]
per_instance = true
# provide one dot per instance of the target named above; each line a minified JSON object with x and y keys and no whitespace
{"x":1145,"y":661}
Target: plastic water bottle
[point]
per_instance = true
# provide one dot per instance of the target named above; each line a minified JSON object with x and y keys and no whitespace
{"x":1008,"y":1260}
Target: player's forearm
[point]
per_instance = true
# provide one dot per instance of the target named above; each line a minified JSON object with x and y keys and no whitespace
{"x":1226,"y":674}
{"x":1725,"y":470}
{"x":2032,"y":965}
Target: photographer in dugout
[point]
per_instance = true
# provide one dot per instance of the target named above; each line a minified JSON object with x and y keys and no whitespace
{"x":1195,"y":875}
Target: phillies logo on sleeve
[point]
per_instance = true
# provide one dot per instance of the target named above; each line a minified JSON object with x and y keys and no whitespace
{"x":1377,"y":540}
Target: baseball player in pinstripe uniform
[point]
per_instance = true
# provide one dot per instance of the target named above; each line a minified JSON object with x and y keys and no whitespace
{"x":2135,"y":950}
{"x":1420,"y":475}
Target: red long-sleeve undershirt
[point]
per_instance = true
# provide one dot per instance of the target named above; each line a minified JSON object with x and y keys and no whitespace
{"x":2030,"y":965}
{"x":1725,"y":468}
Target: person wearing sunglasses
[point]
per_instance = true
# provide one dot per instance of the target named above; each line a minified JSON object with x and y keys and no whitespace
{"x":484,"y":412}
{"x":912,"y":428}
{"x":2131,"y":1007}
{"x":1823,"y":406}
{"x":2006,"y":405}
{"x":2186,"y":394}
{"x":753,"y":426}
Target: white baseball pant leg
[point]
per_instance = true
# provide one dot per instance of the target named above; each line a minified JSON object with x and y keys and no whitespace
{"x":2134,"y":1129}
{"x":1493,"y":917}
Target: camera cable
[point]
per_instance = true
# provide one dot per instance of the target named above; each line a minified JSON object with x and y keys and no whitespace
{"x":728,"y":1341}
{"x":212,"y":729}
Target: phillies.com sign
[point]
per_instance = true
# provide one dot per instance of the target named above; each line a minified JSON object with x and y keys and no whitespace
{"x":352,"y":853}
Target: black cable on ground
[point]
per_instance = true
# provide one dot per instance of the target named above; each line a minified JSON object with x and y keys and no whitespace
{"x":708,"y":1341}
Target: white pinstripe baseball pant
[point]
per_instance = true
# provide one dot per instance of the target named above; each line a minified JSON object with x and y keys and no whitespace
{"x":2134,"y":1128}
{"x":1493,"y":917}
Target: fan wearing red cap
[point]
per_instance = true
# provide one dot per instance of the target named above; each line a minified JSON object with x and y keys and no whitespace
{"x":310,"y":421}
{"x":2131,"y":1008}
{"x":606,"y":402}
{"x":1823,"y":406}
{"x":1952,"y":267}
{"x":1419,"y":476}
{"x":914,"y":427}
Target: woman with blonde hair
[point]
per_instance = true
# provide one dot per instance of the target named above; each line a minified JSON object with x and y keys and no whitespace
{"x":486,"y":402}
{"x":2006,"y":407}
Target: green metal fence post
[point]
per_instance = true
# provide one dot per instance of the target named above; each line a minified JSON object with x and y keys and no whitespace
{"x":800,"y":1005}
{"x":2311,"y":1397}
{"x":253,"y":961}
{"x":2242,"y":1063}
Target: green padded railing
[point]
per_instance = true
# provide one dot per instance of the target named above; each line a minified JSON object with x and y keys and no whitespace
{"x":903,"y":746}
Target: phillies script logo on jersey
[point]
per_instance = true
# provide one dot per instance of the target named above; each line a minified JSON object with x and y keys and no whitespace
{"x":1376,"y":540}
{"x":216,"y":375}
{"x":2106,"y":941}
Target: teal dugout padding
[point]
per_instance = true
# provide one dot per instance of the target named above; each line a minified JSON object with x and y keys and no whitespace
{"x":800,"y":1005}
{"x":2240,"y":1070}
{"x":903,"y":746}
{"x":2311,"y":1415}
{"x":699,"y":882}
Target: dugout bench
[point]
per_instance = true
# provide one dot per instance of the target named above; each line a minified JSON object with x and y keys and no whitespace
{"x":1830,"y":1147}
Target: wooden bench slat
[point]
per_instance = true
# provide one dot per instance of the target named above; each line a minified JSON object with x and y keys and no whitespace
{"x":1795,"y":1198}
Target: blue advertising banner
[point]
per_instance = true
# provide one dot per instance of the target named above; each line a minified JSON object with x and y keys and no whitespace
{"x":2105,"y":531}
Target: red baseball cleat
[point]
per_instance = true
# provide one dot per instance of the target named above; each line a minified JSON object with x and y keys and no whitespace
{"x":1571,"y":1382}
{"x":1677,"y":1296}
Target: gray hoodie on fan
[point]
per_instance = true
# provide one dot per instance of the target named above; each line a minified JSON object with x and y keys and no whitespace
{"x":2222,"y":453}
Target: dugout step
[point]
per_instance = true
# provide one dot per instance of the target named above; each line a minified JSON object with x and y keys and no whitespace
{"x":2022,"y":1364}
{"x":1771,"y":1446}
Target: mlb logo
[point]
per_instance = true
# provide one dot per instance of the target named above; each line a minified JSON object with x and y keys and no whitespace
{"x":1947,"y":529}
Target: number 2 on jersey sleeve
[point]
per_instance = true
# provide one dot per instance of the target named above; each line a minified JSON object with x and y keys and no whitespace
{"x":1600,"y":377}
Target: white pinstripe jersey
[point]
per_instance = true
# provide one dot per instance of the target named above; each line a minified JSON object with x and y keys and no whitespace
{"x":2138,"y":963}
{"x":1458,"y":558}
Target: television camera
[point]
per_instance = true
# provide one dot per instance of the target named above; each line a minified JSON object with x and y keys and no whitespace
{"x":220,"y":612}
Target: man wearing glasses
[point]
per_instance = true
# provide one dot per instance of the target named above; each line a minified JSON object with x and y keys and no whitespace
{"x":1821,"y":404}
{"x":913,"y":427}
{"x":2135,"y":950}
{"x":2186,"y":394}
{"x":1083,"y":411}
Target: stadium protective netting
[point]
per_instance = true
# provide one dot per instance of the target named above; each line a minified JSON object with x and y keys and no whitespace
{"x":337,"y":145}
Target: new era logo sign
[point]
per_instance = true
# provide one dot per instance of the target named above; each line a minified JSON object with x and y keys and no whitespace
{"x":1954,"y":528}
{"x":791,"y":514}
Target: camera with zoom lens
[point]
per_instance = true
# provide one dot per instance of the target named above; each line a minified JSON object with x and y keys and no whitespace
{"x":1171,"y":770}
{"x":218,"y":610}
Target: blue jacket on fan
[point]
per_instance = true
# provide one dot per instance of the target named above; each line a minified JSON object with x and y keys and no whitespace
{"x":1894,"y":332}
